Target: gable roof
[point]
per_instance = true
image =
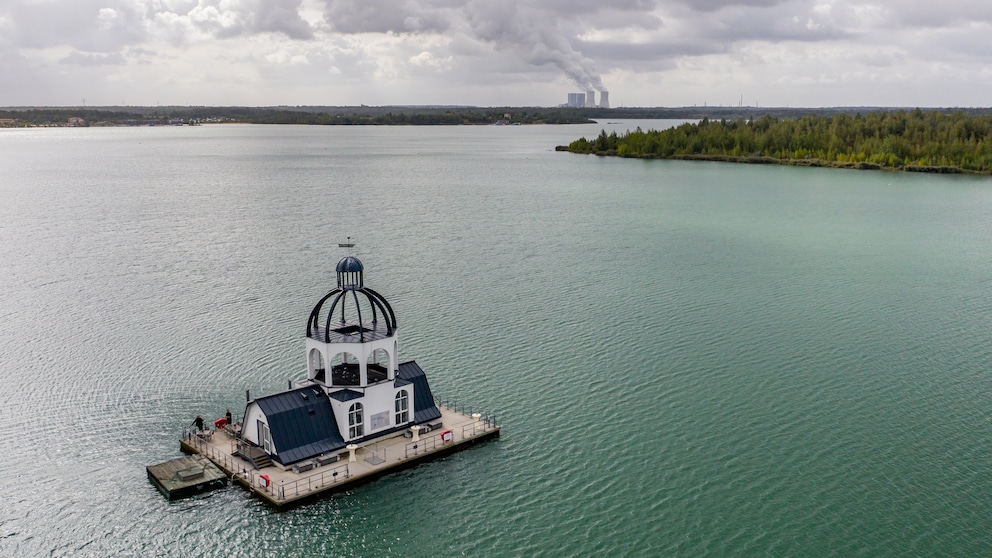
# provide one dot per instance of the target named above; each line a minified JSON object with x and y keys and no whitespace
{"x":301,"y":423}
{"x":424,"y":408}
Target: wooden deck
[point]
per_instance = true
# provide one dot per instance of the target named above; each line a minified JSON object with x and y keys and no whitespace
{"x":343,"y":469}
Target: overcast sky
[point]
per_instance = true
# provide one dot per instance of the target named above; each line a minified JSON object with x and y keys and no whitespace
{"x":806,"y":53}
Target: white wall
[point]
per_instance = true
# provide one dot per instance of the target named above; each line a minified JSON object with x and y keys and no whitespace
{"x":249,"y":428}
{"x":361,"y":351}
{"x":378,"y":398}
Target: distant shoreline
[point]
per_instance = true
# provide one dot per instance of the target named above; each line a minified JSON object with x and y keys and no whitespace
{"x":402,"y":115}
{"x":819,"y":163}
{"x":319,"y":116}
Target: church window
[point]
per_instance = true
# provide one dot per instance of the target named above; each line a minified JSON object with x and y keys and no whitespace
{"x":355,"y":427}
{"x":402,"y":407}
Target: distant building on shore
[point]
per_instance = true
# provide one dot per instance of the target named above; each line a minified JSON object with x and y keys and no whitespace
{"x":588,"y":100}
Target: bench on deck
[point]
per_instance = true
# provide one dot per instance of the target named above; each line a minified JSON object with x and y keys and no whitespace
{"x":303,"y":467}
{"x":318,"y":461}
{"x":322,"y":460}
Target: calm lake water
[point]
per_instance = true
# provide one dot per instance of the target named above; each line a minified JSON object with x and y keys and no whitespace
{"x":687,"y":358}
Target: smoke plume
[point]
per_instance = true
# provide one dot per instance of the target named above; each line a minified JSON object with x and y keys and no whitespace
{"x":534,"y":34}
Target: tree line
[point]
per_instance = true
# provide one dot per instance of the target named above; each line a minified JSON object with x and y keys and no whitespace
{"x":341,"y":116}
{"x":916,"y":140}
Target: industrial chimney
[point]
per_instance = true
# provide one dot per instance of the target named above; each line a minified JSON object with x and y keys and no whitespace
{"x":590,"y":99}
{"x":604,"y":99}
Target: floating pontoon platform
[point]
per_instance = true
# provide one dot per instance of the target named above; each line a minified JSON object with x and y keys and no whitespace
{"x":186,"y":476}
{"x":285,"y":487}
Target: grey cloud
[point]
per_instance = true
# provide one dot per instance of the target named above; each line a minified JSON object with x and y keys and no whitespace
{"x":652,"y":54}
{"x":572,"y":8}
{"x":492,"y":42}
{"x":387,"y":16}
{"x":109,"y":25}
{"x":766,"y":25}
{"x":84,"y":59}
{"x":936,"y":14}
{"x":282,"y":17}
{"x":715,"y":5}
{"x":945,"y":46}
{"x":880,"y":59}
{"x":688,"y":34}
{"x":89,"y":25}
{"x":617,"y":20}
{"x":230,"y":18}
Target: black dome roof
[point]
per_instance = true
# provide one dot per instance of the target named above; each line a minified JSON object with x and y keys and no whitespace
{"x":348,"y":308}
{"x":349,"y":264}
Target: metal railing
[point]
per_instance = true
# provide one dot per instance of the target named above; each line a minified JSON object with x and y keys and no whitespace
{"x":423,"y":445}
{"x":309,"y":484}
{"x":281,"y":491}
{"x":475,"y":428}
{"x":489,"y":419}
{"x":206,"y":449}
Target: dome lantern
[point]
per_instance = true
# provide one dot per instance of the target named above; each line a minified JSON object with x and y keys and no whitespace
{"x":350,"y":273}
{"x":343,"y":315}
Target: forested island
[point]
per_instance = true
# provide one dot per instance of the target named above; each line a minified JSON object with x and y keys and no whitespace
{"x":916,"y":140}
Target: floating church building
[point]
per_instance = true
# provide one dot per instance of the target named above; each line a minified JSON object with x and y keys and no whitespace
{"x":355,"y":389}
{"x":358,"y":413}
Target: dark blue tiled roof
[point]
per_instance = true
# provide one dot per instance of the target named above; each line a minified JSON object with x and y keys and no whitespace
{"x":424,"y":408}
{"x":302,"y":424}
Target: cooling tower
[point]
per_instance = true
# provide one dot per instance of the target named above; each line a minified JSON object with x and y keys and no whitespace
{"x":604,"y":99}
{"x":590,"y":99}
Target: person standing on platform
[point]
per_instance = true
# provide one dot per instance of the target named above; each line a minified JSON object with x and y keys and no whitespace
{"x":198,"y":423}
{"x":228,"y":416}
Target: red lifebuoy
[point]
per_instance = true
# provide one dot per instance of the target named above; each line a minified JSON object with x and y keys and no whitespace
{"x":447,"y":436}
{"x":220,"y":423}
{"x":263,"y":481}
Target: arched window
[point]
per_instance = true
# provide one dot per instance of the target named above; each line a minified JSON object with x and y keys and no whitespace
{"x":378,"y":366}
{"x":355,"y":428}
{"x":345,"y":370}
{"x":317,"y":366}
{"x":402,"y":407}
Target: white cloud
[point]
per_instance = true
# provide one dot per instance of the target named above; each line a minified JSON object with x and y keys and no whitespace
{"x":83,"y":59}
{"x":646,"y":52}
{"x":109,"y":18}
{"x":427,"y":60}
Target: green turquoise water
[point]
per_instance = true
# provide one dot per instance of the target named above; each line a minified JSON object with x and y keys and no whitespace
{"x":687,"y":358}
